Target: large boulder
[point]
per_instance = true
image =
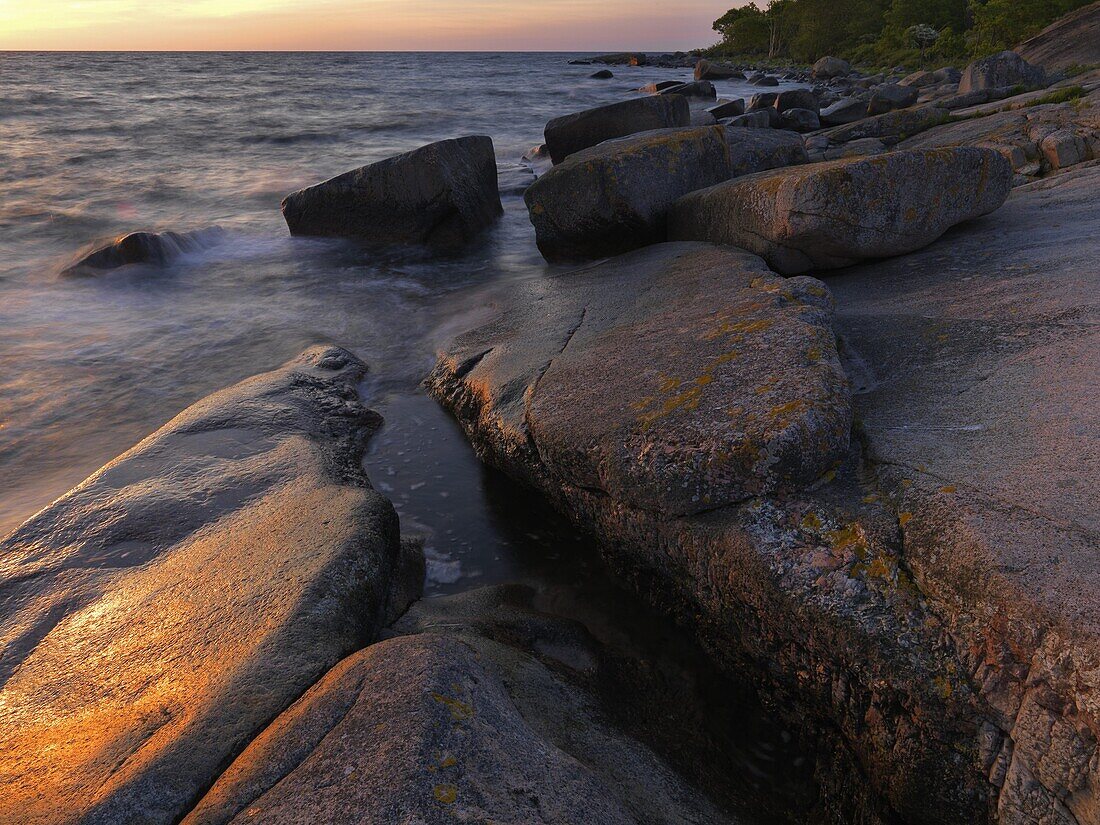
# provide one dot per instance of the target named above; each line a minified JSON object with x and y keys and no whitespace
{"x":833,"y":214}
{"x":919,"y":79}
{"x":156,"y":249}
{"x":760,"y":119}
{"x":731,"y":108}
{"x":800,"y":120}
{"x":706,"y":70}
{"x":829,"y":67}
{"x":1004,"y":69}
{"x":890,"y":96}
{"x":441,"y":195}
{"x":844,"y":111}
{"x":569,"y":134}
{"x":1073,"y":40}
{"x":158,"y":616}
{"x":796,"y":99}
{"x":700,"y":88}
{"x":763,"y":80}
{"x":610,"y":384}
{"x":616,"y":196}
{"x":479,"y":709}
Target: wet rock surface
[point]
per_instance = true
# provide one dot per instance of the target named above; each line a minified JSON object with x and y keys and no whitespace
{"x":828,"y":215}
{"x":615,"y":197}
{"x":441,"y":195}
{"x":155,"y":618}
{"x":572,"y":133}
{"x":478,"y":708}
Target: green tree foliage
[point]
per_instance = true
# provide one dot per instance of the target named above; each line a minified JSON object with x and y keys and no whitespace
{"x":883,"y":32}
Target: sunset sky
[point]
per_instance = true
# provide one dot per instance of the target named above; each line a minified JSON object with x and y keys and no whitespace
{"x":514,"y":25}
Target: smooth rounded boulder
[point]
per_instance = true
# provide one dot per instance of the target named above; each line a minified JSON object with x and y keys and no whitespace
{"x":836,"y":213}
{"x":845,"y":110}
{"x":616,"y":196}
{"x":1004,"y":69}
{"x":569,"y":134}
{"x":158,"y":616}
{"x":829,"y":67}
{"x":890,"y":96}
{"x":440,"y":195}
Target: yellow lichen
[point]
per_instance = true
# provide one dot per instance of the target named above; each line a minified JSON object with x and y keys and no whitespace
{"x":447,"y":794}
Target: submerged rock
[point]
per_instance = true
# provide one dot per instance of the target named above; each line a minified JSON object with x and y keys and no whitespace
{"x":828,"y":215}
{"x":155,"y":618}
{"x":569,"y":134}
{"x":602,"y":74}
{"x":442,"y":195}
{"x":616,"y":196}
{"x":142,"y":248}
{"x":1004,"y":69}
{"x":480,"y":710}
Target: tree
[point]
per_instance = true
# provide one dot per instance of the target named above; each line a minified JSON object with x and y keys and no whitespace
{"x":924,"y":37}
{"x":744,"y":30}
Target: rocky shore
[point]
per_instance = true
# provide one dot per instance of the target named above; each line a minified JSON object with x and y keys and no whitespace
{"x":821,"y":388}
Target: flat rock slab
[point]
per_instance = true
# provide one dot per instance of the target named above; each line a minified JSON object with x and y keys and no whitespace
{"x":571,"y":133}
{"x":441,"y":195}
{"x":828,"y":215}
{"x":155,"y":618}
{"x":1038,"y":138}
{"x":477,"y":715}
{"x":612,"y":379}
{"x":975,"y":366}
{"x":615,"y":197}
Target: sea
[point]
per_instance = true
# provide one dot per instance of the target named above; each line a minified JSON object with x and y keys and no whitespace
{"x":94,"y":145}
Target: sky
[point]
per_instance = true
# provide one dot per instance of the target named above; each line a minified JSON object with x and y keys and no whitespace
{"x":383,"y":25}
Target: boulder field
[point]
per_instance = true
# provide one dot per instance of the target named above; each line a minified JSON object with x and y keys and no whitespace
{"x":616,"y":196}
{"x":440,"y":195}
{"x":927,"y":602}
{"x":829,"y":215}
{"x":158,"y":616}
